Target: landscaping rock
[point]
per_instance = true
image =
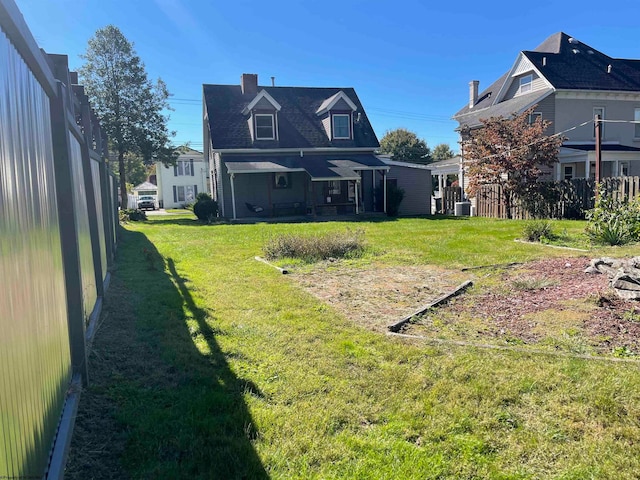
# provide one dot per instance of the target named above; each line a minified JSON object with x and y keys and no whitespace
{"x":624,"y":275}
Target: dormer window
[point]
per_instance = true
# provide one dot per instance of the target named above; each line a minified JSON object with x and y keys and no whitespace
{"x":264,"y":126}
{"x":262,"y":118}
{"x":336,"y":114}
{"x":526,"y":84}
{"x":341,"y":126}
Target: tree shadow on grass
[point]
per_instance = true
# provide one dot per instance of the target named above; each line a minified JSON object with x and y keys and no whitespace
{"x":163,"y":400}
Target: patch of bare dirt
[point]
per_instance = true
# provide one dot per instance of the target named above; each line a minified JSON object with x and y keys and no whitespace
{"x":377,"y":296}
{"x":505,"y":306}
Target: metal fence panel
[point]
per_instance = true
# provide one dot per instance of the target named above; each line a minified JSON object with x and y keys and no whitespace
{"x":89,"y":288}
{"x":95,"y":175}
{"x":34,"y":345}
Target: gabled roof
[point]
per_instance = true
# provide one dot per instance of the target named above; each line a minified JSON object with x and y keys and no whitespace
{"x":566,"y":64}
{"x":262,"y":94}
{"x":298,"y":124}
{"x":330,"y":102}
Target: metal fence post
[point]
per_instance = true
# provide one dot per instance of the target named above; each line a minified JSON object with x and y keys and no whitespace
{"x":68,"y":233}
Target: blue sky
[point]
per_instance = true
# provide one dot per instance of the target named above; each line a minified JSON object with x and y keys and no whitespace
{"x":410,"y":62}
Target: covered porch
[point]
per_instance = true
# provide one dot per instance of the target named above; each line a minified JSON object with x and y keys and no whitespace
{"x":579,"y":160}
{"x":317,"y":185}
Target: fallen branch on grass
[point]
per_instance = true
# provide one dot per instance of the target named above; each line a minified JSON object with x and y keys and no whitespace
{"x":284,"y":271}
{"x":399,"y":324}
{"x":495,"y":265}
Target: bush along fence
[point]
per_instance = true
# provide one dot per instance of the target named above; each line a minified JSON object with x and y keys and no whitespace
{"x":564,"y":199}
{"x":58,"y":219}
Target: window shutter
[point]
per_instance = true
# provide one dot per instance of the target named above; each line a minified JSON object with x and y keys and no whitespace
{"x":191,"y":161}
{"x":175,"y":171}
{"x":175,"y":195}
{"x":195,"y":191}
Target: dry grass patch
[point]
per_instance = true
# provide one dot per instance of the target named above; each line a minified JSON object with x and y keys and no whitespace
{"x":375,"y":296}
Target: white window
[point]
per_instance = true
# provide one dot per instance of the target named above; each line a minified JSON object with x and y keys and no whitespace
{"x":636,"y":117}
{"x":180,"y":192}
{"x":334,"y":187}
{"x":623,"y":169}
{"x":341,"y":126}
{"x":534,"y":116}
{"x":568,"y":172}
{"x":183,"y":168}
{"x":598,"y":111}
{"x":264,"y":126}
{"x":525,"y":84}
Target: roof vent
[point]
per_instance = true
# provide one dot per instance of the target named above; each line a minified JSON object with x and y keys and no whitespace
{"x":608,"y":68}
{"x":544,"y":61}
{"x":590,"y":52}
{"x":575,"y":50}
{"x":573,"y":41}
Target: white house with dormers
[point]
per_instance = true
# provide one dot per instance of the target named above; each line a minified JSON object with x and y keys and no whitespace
{"x":179,"y":184}
{"x":570,"y":82}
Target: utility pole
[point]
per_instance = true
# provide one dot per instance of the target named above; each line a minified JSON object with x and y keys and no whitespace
{"x":598,"y":130}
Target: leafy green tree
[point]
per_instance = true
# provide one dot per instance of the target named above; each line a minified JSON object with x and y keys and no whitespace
{"x":405,"y":146}
{"x":442,"y":151}
{"x":509,"y":152}
{"x":132,"y":109}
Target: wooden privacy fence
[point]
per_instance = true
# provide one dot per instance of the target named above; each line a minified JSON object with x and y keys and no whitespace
{"x":58,"y":219}
{"x":564,"y":199}
{"x":451,"y":195}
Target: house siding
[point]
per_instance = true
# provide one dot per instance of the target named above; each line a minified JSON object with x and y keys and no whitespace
{"x":167,"y":180}
{"x":570,"y":112}
{"x":537,"y":84}
{"x":416,"y":183}
{"x":341,"y":105}
{"x":326,"y":123}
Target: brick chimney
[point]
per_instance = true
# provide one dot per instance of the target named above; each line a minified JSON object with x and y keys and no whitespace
{"x":249,"y":83}
{"x":473,"y":92}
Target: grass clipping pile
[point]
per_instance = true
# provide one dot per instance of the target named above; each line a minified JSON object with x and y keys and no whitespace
{"x":551,"y":303}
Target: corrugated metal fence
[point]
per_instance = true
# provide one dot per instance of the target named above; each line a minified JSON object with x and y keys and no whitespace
{"x":565,"y":199}
{"x":58,"y":218}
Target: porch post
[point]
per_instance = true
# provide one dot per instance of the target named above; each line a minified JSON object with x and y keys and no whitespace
{"x":441,"y":185}
{"x":357,"y":188}
{"x":384,"y":189}
{"x":587,"y":167}
{"x":461,"y":177}
{"x":233,"y":195}
{"x":373,"y":190}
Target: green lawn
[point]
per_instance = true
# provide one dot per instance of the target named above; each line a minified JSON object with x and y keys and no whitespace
{"x":209,"y":364}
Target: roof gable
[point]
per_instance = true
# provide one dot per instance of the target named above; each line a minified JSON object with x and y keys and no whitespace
{"x":564,"y":63}
{"x":262,"y":95}
{"x":333,"y":100}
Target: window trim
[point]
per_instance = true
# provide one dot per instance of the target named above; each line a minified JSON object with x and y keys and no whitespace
{"x":571,"y":174}
{"x":622,"y":166}
{"x":276,"y":179}
{"x":273,"y":125}
{"x":333,"y":125}
{"x":533,"y":116}
{"x":636,"y":118}
{"x":528,"y":84}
